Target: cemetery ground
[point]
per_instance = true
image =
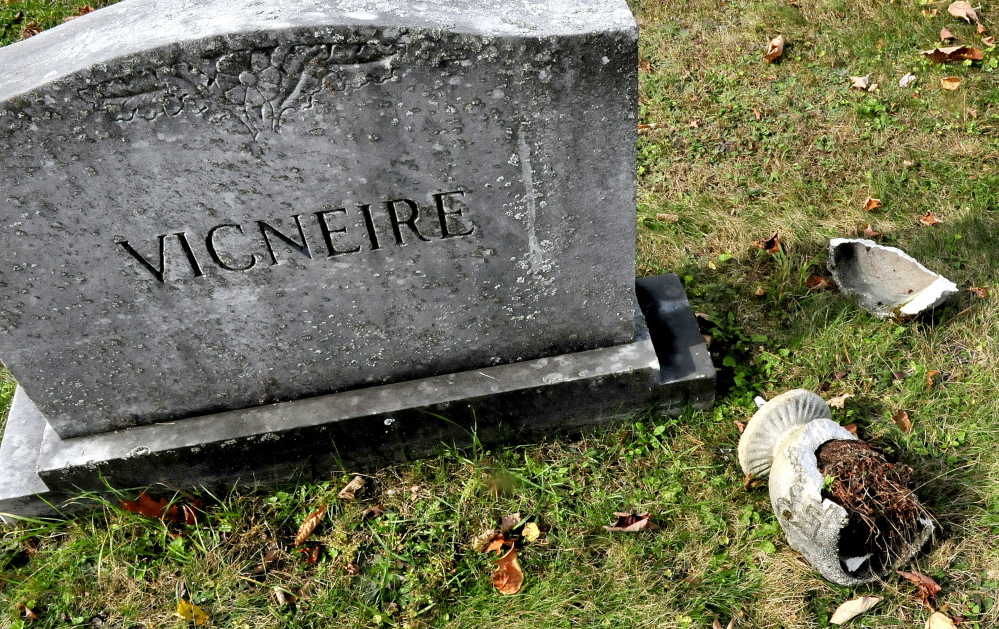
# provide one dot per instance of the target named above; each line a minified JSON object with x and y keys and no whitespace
{"x":736,"y":150}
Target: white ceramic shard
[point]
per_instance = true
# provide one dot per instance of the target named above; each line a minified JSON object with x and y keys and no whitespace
{"x":887,"y":281}
{"x":780,"y":441}
{"x":770,"y":425}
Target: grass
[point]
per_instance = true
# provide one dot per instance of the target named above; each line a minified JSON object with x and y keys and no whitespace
{"x":742,"y":149}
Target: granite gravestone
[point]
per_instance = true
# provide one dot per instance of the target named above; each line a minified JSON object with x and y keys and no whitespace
{"x":228,"y":223}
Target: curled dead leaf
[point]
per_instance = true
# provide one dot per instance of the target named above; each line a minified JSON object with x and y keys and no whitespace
{"x":930,"y":12}
{"x":669,"y":218}
{"x":928,"y":588}
{"x":851,"y":428}
{"x":508,"y":577}
{"x":510,"y":521}
{"x":373,"y":512}
{"x":776,"y":49}
{"x":860,"y":82}
{"x":953,"y":53}
{"x":872,"y":204}
{"x":757,"y":114}
{"x":817,"y":283}
{"x":929,"y":219}
{"x":740,"y":426}
{"x":311,"y":553}
{"x":945,"y":34}
{"x":870,"y":232}
{"x":929,"y":378}
{"x":189,"y":611}
{"x":482,"y":541}
{"x":644,"y":65}
{"x":161,"y":509}
{"x":760,"y":292}
{"x":901,"y":419}
{"x":30,"y":30}
{"x":283,"y":597}
{"x":309,"y":525}
{"x":717,"y":624}
{"x":29,"y":614}
{"x":853,"y":608}
{"x":981,"y":29}
{"x":352,"y":569}
{"x":531,"y":532}
{"x":770,"y":245}
{"x":950,"y":82}
{"x":645,"y":128}
{"x":907,"y":80}
{"x":839,"y":401}
{"x":750,"y":482}
{"x":989,"y":40}
{"x":963,"y":10}
{"x":349,"y":492}
{"x":631,"y":522}
{"x":271,"y":557}
{"x":977,"y":291}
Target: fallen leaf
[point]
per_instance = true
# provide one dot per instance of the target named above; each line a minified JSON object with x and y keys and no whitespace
{"x":851,"y":428}
{"x":283,"y":597}
{"x":749,"y":482}
{"x":349,"y":492}
{"x":900,"y":375}
{"x":963,"y":10}
{"x":901,"y":419}
{"x":270,"y":557}
{"x":694,"y":124}
{"x":189,"y":611}
{"x":757,"y":114}
{"x":853,"y":608}
{"x":776,"y":49}
{"x":645,"y":128}
{"x":979,"y":292}
{"x":707,"y":340}
{"x":860,"y":82}
{"x":907,"y":80}
{"x":373,"y":512}
{"x":872,"y":204}
{"x":928,"y":588}
{"x":953,"y":53}
{"x":510,"y":521}
{"x":929,"y":378}
{"x":771,"y":245}
{"x":669,"y":218}
{"x":839,"y":401}
{"x":30,"y":30}
{"x":508,"y":577}
{"x":760,"y":292}
{"x":645,"y":66}
{"x":717,"y":624}
{"x":352,"y":569}
{"x":739,"y":425}
{"x":950,"y":82}
{"x":497,"y":543}
{"x":482,"y":541}
{"x":930,"y":12}
{"x":817,"y":283}
{"x":940,"y":620}
{"x":531,"y":532}
{"x":981,"y":29}
{"x":161,"y":509}
{"x":309,"y":525}
{"x":873,"y":87}
{"x":29,"y":614}
{"x":929,"y":219}
{"x":869,"y":231}
{"x":631,"y":522}
{"x":311,"y":554}
{"x":946,"y":35}
{"x":989,"y":40}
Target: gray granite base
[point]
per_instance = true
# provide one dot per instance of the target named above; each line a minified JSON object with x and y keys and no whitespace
{"x":666,"y":366}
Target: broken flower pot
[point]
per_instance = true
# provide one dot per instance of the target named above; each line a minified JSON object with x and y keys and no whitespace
{"x":887,"y":281}
{"x":780,"y":441}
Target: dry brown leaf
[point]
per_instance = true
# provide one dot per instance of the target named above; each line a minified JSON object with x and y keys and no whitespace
{"x":901,"y":419}
{"x":645,"y":66}
{"x":981,"y":29}
{"x":776,"y":49}
{"x":694,"y":124}
{"x":963,"y":10}
{"x":30,"y":30}
{"x":946,"y":35}
{"x":860,"y":82}
{"x":161,"y":509}
{"x":989,"y":40}
{"x":189,"y":611}
{"x":940,"y":620}
{"x":482,"y":541}
{"x":929,"y":219}
{"x":929,"y":378}
{"x":707,"y":340}
{"x":349,"y":492}
{"x":645,"y":128}
{"x":311,"y":554}
{"x":283,"y":597}
{"x":508,"y":577}
{"x":928,"y":588}
{"x":757,"y":114}
{"x":352,"y":569}
{"x":29,"y":614}
{"x":907,"y":80}
{"x":770,"y":245}
{"x":669,"y":218}
{"x":309,"y":525}
{"x":853,"y":608}
{"x":851,"y":428}
{"x":760,"y":292}
{"x":977,"y":291}
{"x":739,"y":425}
{"x":817,"y":283}
{"x":950,"y":82}
{"x":953,"y":53}
{"x":839,"y":401}
{"x":717,"y":623}
{"x":930,"y":12}
{"x":631,"y":522}
{"x":870,"y":232}
{"x":872,"y":204}
{"x":510,"y":521}
{"x":270,"y":557}
{"x":750,"y":482}
{"x":373,"y":512}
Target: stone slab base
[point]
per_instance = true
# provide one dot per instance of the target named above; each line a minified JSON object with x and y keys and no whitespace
{"x":667,"y":366}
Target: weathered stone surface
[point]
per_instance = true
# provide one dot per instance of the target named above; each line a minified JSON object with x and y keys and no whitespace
{"x":218,"y":204}
{"x":664,"y":366}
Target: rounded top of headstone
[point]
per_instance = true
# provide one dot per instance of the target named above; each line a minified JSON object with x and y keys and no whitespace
{"x":136,"y":26}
